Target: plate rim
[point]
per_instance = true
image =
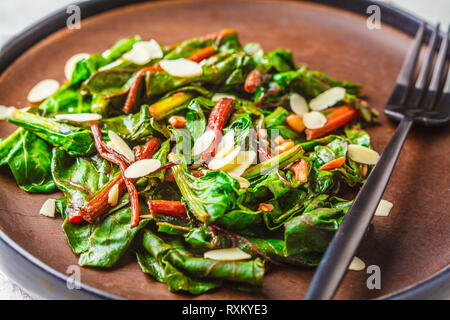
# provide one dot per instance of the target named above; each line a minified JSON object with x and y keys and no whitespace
{"x":432,"y":287}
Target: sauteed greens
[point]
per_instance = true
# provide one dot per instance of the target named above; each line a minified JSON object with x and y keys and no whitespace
{"x":209,"y":160}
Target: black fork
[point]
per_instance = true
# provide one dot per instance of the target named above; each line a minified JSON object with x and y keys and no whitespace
{"x":417,"y":104}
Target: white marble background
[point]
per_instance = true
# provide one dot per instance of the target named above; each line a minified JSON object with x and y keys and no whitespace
{"x":18,"y":14}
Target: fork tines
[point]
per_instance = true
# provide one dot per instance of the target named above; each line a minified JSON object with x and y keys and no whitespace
{"x":421,"y":101}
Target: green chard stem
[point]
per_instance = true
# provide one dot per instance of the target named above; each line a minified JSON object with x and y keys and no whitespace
{"x":76,"y":141}
{"x":183,"y":183}
{"x":277,"y":161}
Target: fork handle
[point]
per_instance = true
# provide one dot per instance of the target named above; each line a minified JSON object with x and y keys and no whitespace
{"x":342,"y":248}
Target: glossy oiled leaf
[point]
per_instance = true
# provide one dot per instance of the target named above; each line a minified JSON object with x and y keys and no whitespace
{"x":77,"y":234}
{"x":28,"y":157}
{"x":164,"y":271}
{"x":67,"y":99}
{"x":250,"y":272}
{"x":208,"y":197}
{"x":85,"y":67}
{"x":75,"y":140}
{"x":312,"y":231}
{"x":133,"y":127}
{"x":81,"y":177}
{"x":111,"y":237}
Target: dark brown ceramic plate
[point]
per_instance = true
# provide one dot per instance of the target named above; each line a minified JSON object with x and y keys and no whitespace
{"x":409,"y":246}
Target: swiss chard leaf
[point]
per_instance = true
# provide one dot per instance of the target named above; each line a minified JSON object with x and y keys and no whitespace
{"x":111,"y":237}
{"x":164,"y":271}
{"x":85,"y":67}
{"x":28,"y":157}
{"x":313,"y":230}
{"x":208,"y":197}
{"x":250,"y":272}
{"x":133,"y":127}
{"x":67,"y":99}
{"x":81,"y":177}
{"x":76,"y":141}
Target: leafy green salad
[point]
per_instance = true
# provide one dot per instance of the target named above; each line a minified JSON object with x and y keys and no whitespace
{"x":211,"y":161}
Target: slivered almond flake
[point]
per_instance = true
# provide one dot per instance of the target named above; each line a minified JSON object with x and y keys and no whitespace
{"x":3,"y":112}
{"x":137,"y":55}
{"x":48,"y":208}
{"x":226,"y":144}
{"x":10,"y":111}
{"x":362,"y":154}
{"x":327,"y":99}
{"x":71,"y":62}
{"x":43,"y":90}
{"x":384,"y":208}
{"x":181,"y":67}
{"x":243,"y":183}
{"x":228,"y":254}
{"x":78,"y":117}
{"x":106,"y":53}
{"x":217,"y":96}
{"x":314,"y":120}
{"x":113,"y":64}
{"x":221,"y":163}
{"x":357,"y":264}
{"x":119,"y":145}
{"x":113,"y":195}
{"x":298,"y":104}
{"x":152,"y":47}
{"x":203,"y":142}
{"x":244,"y":160}
{"x":142,"y":168}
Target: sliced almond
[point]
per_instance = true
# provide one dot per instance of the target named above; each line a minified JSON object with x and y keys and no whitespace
{"x":181,"y":67}
{"x":10,"y":111}
{"x":3,"y":112}
{"x":48,"y":208}
{"x":119,"y":145}
{"x":243,"y":183}
{"x":142,"y":168}
{"x":203,"y":142}
{"x":43,"y":90}
{"x":298,"y":104}
{"x":152,"y":47}
{"x":357,"y":264}
{"x":226,"y":144}
{"x":111,"y":65}
{"x":327,"y":99}
{"x":138,"y":55}
{"x":106,"y":53}
{"x":384,"y":208}
{"x":362,"y":154}
{"x":221,"y":163}
{"x":228,"y":254}
{"x":314,"y":120}
{"x":78,"y":117}
{"x":71,"y":62}
{"x":217,"y":96}
{"x":113,"y":195}
{"x":243,"y":160}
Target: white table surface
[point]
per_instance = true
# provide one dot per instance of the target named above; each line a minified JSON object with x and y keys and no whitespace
{"x":12,"y":22}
